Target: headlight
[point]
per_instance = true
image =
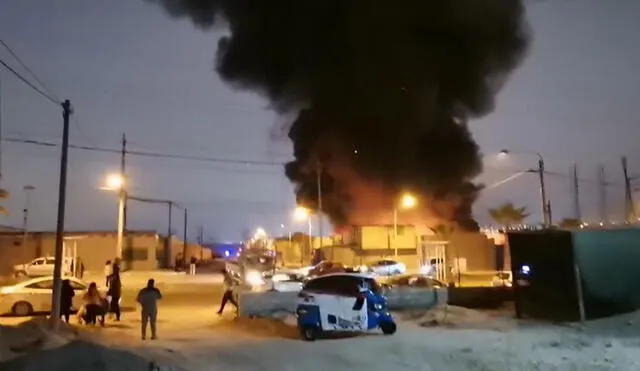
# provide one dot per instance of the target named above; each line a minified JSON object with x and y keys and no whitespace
{"x":279,"y":277}
{"x":377,"y":306}
{"x":254,"y":278}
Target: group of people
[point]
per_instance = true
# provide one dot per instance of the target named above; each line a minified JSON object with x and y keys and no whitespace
{"x":95,"y":307}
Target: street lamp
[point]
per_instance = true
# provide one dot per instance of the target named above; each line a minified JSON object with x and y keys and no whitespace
{"x":543,"y":194}
{"x":116,"y":182}
{"x":407,"y":201}
{"x":301,"y":214}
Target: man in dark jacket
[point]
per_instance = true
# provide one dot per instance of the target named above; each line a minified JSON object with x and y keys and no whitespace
{"x":229,"y":284}
{"x":115,"y":292}
{"x":66,"y":299}
{"x":148,"y":299}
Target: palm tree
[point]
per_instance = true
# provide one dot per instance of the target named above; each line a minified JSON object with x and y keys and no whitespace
{"x":507,"y":214}
{"x":4,"y":194}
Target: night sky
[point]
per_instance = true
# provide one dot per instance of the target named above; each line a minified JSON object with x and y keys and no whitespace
{"x":128,"y":68}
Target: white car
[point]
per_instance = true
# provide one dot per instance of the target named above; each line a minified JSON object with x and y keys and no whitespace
{"x":387,"y":268}
{"x":39,"y":267}
{"x":33,"y":296}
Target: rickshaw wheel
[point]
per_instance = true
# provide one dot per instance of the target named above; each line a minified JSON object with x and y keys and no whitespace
{"x":388,"y":328}
{"x":309,"y":333}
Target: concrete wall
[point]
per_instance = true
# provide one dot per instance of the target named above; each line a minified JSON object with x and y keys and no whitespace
{"x":176,"y":247}
{"x":608,"y":261}
{"x":93,"y":248}
{"x":266,"y":304}
{"x":382,"y":237}
{"x":476,"y":249}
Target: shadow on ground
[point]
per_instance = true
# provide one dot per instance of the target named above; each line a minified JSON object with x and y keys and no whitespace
{"x":77,"y":355}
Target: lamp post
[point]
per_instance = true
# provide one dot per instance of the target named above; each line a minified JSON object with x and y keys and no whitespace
{"x":543,"y":194}
{"x":116,"y":182}
{"x":407,"y":201}
{"x":301,"y":214}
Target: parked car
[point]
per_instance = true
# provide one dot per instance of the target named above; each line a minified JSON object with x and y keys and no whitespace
{"x":387,"y":268}
{"x":326,"y":267}
{"x":502,"y":279}
{"x":42,"y":266}
{"x":34,"y":295}
{"x":413,"y":280}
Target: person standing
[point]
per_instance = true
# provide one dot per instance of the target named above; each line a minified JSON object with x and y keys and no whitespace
{"x":148,"y":299}
{"x":192,"y":265}
{"x":229,"y":285}
{"x":107,"y":272}
{"x":115,"y":292}
{"x":66,"y":299}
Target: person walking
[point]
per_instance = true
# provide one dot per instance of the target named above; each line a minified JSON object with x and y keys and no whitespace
{"x":115,"y":292}
{"x":66,"y":299}
{"x":192,"y":265}
{"x":229,"y":285}
{"x":107,"y":272}
{"x":148,"y":298}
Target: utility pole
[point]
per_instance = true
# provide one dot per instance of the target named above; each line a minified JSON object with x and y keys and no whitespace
{"x":201,"y":241}
{"x":184,"y":239}
{"x":62,"y":198}
{"x":546,"y":210}
{"x":0,"y":129}
{"x":25,"y":212}
{"x":319,"y":184}
{"x":122,"y":200}
{"x":169,"y":237}
{"x":602,"y":185}
{"x":630,"y":213}
{"x":576,"y":194}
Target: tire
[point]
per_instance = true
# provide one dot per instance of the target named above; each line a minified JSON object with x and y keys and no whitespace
{"x":388,"y":328}
{"x":21,"y":274}
{"x":309,"y":333}
{"x":22,"y":309}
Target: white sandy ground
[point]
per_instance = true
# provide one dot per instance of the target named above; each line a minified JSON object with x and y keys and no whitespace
{"x":195,"y":339}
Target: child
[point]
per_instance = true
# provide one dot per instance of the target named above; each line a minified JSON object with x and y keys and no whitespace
{"x":148,"y":299}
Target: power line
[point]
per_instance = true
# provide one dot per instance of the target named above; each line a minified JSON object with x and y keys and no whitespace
{"x":33,"y":75}
{"x":29,"y":84}
{"x":148,"y":153}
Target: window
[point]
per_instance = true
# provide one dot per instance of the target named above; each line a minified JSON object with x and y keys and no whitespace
{"x":47,"y":285}
{"x":337,"y":285}
{"x":77,"y":285}
{"x":400,"y":230}
{"x":38,"y":262}
{"x":50,"y":261}
{"x":404,"y":281}
{"x":318,"y":285}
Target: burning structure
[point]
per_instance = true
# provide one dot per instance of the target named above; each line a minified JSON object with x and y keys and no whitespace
{"x":382,"y":90}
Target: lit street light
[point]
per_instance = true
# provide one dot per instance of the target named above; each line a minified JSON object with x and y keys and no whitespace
{"x":301,"y":214}
{"x":116,"y":182}
{"x":407,"y":201}
{"x":546,"y":209}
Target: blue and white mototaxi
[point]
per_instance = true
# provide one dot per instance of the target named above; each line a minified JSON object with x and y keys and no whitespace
{"x":361,"y":308}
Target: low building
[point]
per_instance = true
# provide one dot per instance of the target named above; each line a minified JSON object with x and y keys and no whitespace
{"x":362,"y":245}
{"x":143,"y":250}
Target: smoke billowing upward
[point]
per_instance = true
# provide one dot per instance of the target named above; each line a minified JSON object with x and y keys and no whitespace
{"x":384,"y":90}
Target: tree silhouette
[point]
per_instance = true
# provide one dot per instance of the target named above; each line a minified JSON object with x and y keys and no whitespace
{"x":4,"y":194}
{"x":507,"y":214}
{"x":570,"y":223}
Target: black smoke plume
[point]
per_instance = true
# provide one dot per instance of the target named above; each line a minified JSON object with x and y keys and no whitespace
{"x":384,"y":90}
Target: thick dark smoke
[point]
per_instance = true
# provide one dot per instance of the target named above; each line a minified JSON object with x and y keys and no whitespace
{"x":384,"y":90}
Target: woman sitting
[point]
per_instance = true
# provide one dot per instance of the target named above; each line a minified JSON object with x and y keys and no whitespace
{"x":93,"y":306}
